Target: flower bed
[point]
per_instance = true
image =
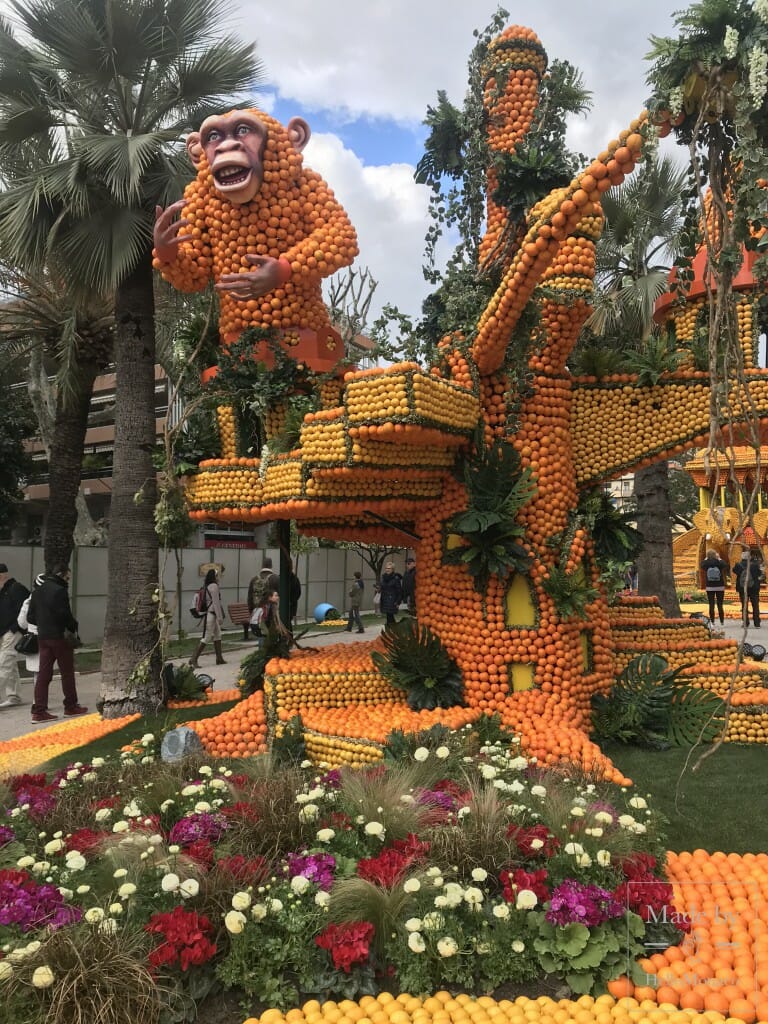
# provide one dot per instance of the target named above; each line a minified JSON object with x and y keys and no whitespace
{"x":139,"y":887}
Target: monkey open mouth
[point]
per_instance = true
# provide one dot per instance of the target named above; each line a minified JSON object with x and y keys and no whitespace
{"x":231,"y":174}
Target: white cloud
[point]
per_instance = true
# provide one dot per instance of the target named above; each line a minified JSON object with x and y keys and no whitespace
{"x":389,"y":211}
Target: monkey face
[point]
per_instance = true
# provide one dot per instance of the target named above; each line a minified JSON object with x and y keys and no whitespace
{"x":234,"y":148}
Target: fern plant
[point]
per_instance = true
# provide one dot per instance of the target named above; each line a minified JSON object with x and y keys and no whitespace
{"x":498,"y":488}
{"x":649,"y":705}
{"x":416,"y":662}
{"x":571,"y":592}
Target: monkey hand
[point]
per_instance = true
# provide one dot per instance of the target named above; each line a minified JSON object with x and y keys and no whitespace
{"x":268,"y":274}
{"x":166,"y":232}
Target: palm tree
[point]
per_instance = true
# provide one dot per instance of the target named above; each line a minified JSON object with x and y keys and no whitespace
{"x":99,"y":92}
{"x":639,"y":243}
{"x":47,"y":326}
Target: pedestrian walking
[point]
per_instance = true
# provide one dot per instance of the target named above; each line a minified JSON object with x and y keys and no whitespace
{"x":409,"y":584}
{"x":749,"y":574}
{"x":214,"y":617}
{"x":12,"y":596}
{"x":50,"y":611}
{"x":355,"y":595}
{"x":715,"y":571}
{"x":391,"y":585}
{"x":261,"y":585}
{"x":294,"y":593}
{"x":31,"y":661}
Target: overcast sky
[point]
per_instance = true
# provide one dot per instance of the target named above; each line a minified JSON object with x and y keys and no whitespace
{"x":363,"y":72}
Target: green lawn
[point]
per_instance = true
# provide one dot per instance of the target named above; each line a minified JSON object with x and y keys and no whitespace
{"x":722,"y":806}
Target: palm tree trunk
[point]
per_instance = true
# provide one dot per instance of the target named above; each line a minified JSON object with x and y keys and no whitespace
{"x":654,"y":521}
{"x":131,"y":655}
{"x":65,"y":463}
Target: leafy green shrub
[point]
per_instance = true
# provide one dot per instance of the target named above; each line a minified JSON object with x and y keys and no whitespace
{"x":649,"y":705}
{"x":416,"y":661}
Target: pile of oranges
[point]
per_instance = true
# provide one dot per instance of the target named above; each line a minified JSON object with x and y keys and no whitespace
{"x":239,"y":732}
{"x":722,"y":965}
{"x":34,"y":748}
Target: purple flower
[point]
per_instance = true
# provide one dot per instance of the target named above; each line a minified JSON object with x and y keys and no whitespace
{"x":436,"y":798}
{"x":332,"y":779}
{"x":573,"y":902}
{"x":196,"y":827}
{"x":28,"y":905}
{"x":7,"y":835}
{"x":317,"y":867}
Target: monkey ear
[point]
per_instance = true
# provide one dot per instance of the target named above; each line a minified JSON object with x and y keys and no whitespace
{"x":298,"y":132}
{"x":194,"y":147}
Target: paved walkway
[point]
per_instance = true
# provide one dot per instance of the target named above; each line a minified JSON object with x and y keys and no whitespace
{"x":16,"y":721}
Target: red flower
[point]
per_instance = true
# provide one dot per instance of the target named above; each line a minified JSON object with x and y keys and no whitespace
{"x":85,"y":840}
{"x":251,"y":871}
{"x":348,"y":944}
{"x":523,"y":838}
{"x":386,"y":869}
{"x":241,"y":809}
{"x":521,"y":879}
{"x":185,"y":939}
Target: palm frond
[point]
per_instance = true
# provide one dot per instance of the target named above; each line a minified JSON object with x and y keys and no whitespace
{"x":121,"y":161}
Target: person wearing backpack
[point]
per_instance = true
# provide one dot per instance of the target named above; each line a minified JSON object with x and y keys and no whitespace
{"x":213,"y":619}
{"x":715,"y":571}
{"x":260,"y":587}
{"x":749,"y":576}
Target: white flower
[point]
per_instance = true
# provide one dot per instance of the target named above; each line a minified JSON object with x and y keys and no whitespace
{"x":75,"y":861}
{"x":173,"y":848}
{"x":639,"y":828}
{"x":217,"y":784}
{"x":375,"y":828}
{"x":501,"y":910}
{"x":536,"y":844}
{"x":473,"y":896}
{"x":97,"y":762}
{"x":731,"y":42}
{"x":583,"y":860}
{"x":299,"y":884}
{"x":479,"y":874}
{"x":518,"y":764}
{"x":170,"y":882}
{"x":438,"y":881}
{"x":258,"y":911}
{"x":407,"y":798}
{"x":132,"y":810}
{"x":191,"y":790}
{"x":447,"y":946}
{"x":413,"y":924}
{"x":626,"y":821}
{"x":120,"y":826}
{"x":205,"y":769}
{"x":66,"y":893}
{"x":234,"y":922}
{"x":309,"y":812}
{"x":202,"y":807}
{"x":411,"y":885}
{"x":241,"y":901}
{"x":41,"y":867}
{"x":325,"y":835}
{"x":108,"y":926}
{"x":94,"y":915}
{"x":416,"y":942}
{"x":322,"y":898}
{"x":316,"y":793}
{"x":515,"y":786}
{"x":442,"y":753}
{"x":462,"y":812}
{"x":761,"y":10}
{"x":604,"y":817}
{"x":115,"y":909}
{"x":126,"y":889}
{"x":453,"y":894}
{"x":441,"y":902}
{"x":518,"y":946}
{"x":433,"y":871}
{"x":147,"y":739}
{"x":120,"y":873}
{"x":275,"y":906}
{"x":577,"y":812}
{"x":83,"y":889}
{"x":603,"y":858}
{"x":54,"y":846}
{"x":638,"y":803}
{"x":42,"y":977}
{"x":432,"y":921}
{"x":103,"y":813}
{"x":526,"y":899}
{"x":574,"y":849}
{"x":189,"y":887}
{"x":538,"y":791}
{"x":420,"y":754}
{"x":6,"y":970}
{"x":596,"y":832}
{"x":758,"y":73}
{"x":488,"y":771}
{"x":25,"y":862}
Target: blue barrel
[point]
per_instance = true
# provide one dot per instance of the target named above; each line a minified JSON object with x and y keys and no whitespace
{"x":323,"y":612}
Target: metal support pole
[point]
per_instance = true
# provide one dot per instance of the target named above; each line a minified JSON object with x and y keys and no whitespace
{"x":284,"y":540}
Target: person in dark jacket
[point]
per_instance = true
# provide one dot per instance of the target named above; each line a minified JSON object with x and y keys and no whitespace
{"x":715,"y":572}
{"x":50,"y":611}
{"x":12,"y":597}
{"x":409,"y":584}
{"x":391,"y":588}
{"x":749,"y":573}
{"x":294,"y":593}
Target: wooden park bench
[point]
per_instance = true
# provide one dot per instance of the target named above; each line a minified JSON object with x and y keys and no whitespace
{"x":238,"y":612}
